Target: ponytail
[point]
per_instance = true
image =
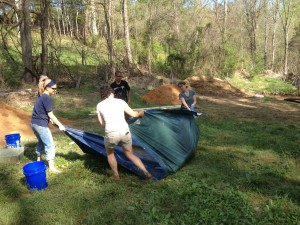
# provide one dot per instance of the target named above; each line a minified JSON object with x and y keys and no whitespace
{"x":43,"y":82}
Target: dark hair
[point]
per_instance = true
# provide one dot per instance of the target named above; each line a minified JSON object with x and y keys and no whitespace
{"x":181,"y":83}
{"x":118,"y":72}
{"x":105,"y":91}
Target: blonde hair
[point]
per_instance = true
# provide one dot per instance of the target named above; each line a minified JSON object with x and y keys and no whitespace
{"x":43,"y":81}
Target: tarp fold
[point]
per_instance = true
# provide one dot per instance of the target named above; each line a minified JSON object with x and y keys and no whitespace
{"x":163,"y":139}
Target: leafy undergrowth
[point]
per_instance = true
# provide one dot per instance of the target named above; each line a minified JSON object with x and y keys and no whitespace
{"x":246,"y":171}
{"x":263,"y":85}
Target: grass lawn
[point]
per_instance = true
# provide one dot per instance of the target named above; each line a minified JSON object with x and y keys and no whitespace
{"x":246,"y":171}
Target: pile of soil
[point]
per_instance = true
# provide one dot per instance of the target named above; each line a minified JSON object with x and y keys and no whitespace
{"x":165,"y":94}
{"x":204,"y":86}
{"x":13,"y":120}
{"x":210,"y":86}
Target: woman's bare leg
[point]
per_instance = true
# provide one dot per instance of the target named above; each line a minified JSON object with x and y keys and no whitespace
{"x":136,"y":161}
{"x":112,"y":162}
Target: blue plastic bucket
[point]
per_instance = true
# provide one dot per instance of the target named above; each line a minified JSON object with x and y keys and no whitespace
{"x":13,"y":140}
{"x":35,"y":173}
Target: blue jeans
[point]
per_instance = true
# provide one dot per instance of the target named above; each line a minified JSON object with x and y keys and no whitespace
{"x":45,"y":143}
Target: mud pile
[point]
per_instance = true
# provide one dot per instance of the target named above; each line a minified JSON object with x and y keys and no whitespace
{"x":209,"y":86}
{"x":164,"y":94}
{"x":13,"y":120}
{"x":204,"y":86}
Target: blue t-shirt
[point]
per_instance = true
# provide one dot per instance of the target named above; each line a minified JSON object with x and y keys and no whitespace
{"x":42,"y":106}
{"x":188,"y":99}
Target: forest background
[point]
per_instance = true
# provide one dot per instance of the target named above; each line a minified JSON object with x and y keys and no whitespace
{"x":77,"y":40}
{"x":246,"y":169}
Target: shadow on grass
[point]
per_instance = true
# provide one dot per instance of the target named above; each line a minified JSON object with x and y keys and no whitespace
{"x":30,"y":151}
{"x":263,"y":124}
{"x":94,"y":163}
{"x":251,"y":144}
{"x":240,"y":171}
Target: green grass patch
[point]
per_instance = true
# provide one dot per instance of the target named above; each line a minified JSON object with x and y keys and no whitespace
{"x":246,"y":171}
{"x":263,"y":85}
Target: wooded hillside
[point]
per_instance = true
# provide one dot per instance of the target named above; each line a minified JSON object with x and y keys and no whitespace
{"x":172,"y":38}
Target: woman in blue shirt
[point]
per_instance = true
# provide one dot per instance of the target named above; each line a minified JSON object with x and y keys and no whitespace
{"x":41,"y":115}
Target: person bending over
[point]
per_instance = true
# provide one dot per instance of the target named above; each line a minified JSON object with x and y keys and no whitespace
{"x":187,"y":97}
{"x":110,"y":113}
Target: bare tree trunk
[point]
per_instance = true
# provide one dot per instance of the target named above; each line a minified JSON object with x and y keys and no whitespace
{"x":150,"y":56}
{"x":241,"y":42}
{"x":149,"y":41}
{"x":26,"y":42}
{"x":63,"y":17}
{"x":252,"y":8}
{"x":266,"y":33}
{"x":90,"y":18}
{"x":286,"y":15}
{"x":195,"y":42}
{"x":175,"y":8}
{"x":44,"y":35}
{"x":70,"y":25}
{"x":58,"y":23}
{"x":127,"y":36}
{"x":87,"y":20}
{"x":225,"y":21}
{"x":52,"y":26}
{"x":76,"y":24}
{"x":110,"y":36}
{"x":93,"y":19}
{"x":266,"y":45}
{"x":286,"y":51}
{"x":274,"y":25}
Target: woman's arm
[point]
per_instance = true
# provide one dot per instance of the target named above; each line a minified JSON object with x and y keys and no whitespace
{"x":101,"y":120}
{"x":184,"y":103}
{"x":195,"y":100}
{"x":132,"y":113}
{"x":56,"y":121}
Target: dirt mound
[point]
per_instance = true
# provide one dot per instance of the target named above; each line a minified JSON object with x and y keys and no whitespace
{"x":165,"y":94}
{"x":209,"y":86}
{"x":13,"y":120}
{"x":21,"y":99}
{"x":204,"y":86}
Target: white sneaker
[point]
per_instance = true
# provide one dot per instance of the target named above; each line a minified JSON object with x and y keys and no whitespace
{"x":196,"y":115}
